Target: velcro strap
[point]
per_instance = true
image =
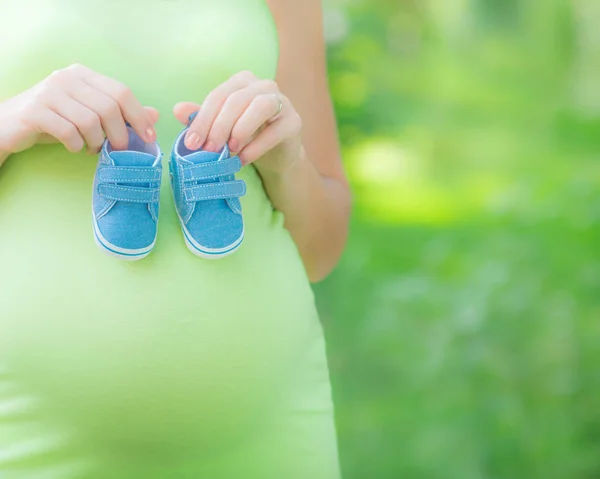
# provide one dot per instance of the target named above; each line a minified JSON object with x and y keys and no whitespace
{"x":212,"y":169}
{"x":129,"y":194}
{"x":215,"y":191}
{"x":129,"y":174}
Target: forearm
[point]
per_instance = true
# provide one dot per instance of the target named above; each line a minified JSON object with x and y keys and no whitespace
{"x":316,"y":213}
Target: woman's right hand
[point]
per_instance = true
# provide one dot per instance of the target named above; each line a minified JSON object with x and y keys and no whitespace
{"x":75,"y":106}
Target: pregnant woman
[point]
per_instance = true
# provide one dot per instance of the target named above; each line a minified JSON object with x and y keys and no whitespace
{"x":173,"y":366}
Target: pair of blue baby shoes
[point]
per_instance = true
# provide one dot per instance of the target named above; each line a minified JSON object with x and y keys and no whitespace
{"x":125,"y":200}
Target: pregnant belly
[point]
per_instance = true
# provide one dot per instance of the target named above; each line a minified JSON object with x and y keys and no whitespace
{"x":172,"y":346}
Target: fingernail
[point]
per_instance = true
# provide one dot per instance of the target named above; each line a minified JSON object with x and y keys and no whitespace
{"x":150,"y":134}
{"x":192,"y":141}
{"x":210,"y":146}
{"x":234,"y":145}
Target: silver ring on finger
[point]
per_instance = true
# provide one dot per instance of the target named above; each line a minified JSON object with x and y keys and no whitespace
{"x":279,"y":108}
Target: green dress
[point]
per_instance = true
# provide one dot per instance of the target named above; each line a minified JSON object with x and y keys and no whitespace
{"x":174,"y":366}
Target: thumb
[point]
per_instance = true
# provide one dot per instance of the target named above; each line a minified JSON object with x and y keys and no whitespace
{"x":183,"y":111}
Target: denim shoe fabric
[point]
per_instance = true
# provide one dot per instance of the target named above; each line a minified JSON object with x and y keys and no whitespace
{"x":207,"y":199}
{"x":125,"y":200}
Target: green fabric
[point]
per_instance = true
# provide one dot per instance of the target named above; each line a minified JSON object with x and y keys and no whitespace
{"x":173,"y":366}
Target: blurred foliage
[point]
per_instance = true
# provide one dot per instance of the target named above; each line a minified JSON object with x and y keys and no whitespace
{"x":463,"y":323}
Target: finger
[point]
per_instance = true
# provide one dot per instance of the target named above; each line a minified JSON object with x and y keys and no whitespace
{"x":262,"y":109}
{"x":108,"y":111}
{"x":153,"y":114}
{"x":51,"y":123}
{"x":130,"y":107}
{"x":210,"y":108}
{"x":272,"y":136}
{"x":183,"y":110}
{"x":247,"y":101}
{"x":85,"y":120}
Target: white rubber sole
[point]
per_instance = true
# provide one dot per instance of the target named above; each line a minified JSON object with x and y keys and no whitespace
{"x":119,"y":253}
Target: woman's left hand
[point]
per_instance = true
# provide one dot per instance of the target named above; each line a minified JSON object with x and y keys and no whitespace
{"x":257,"y":121}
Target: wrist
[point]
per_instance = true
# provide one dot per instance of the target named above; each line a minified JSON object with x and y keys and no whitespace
{"x":5,"y":149}
{"x":7,"y":119}
{"x":15,"y":134}
{"x":3,"y":156}
{"x":284,"y":169}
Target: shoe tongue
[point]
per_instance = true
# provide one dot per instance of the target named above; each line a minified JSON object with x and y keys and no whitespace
{"x":202,"y":157}
{"x":132,"y":158}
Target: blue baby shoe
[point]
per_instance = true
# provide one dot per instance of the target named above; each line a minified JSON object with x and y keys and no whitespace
{"x":207,"y":199}
{"x":125,"y":200}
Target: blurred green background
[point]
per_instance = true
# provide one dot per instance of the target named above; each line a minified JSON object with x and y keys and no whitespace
{"x":463,"y":323}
